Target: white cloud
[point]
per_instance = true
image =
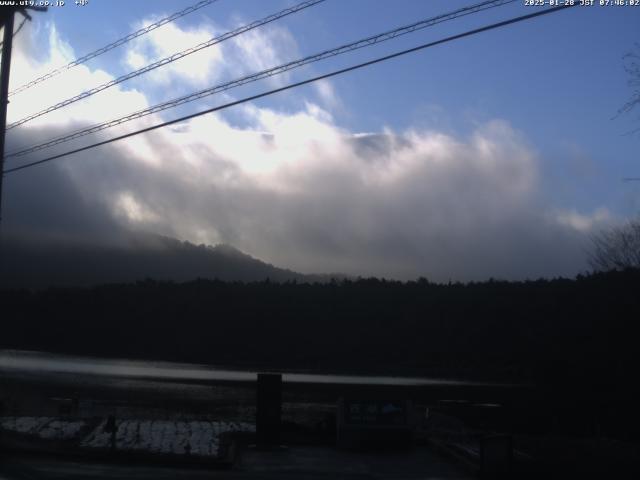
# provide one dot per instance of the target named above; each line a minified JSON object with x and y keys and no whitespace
{"x":263,"y":48}
{"x":584,"y":222}
{"x":293,"y":188}
{"x":126,"y":204}
{"x":196,"y":69}
{"x":299,"y":192}
{"x":106,"y":105}
{"x":327,"y":94}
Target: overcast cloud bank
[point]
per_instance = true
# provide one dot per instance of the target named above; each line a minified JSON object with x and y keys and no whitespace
{"x":291,"y":186}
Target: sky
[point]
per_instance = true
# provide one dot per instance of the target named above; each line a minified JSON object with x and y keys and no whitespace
{"x":496,"y":155}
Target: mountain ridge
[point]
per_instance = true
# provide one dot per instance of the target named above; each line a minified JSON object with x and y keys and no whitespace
{"x":136,"y":256}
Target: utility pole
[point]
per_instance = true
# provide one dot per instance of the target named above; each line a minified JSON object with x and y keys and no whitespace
{"x":7,"y":15}
{"x":4,"y":88}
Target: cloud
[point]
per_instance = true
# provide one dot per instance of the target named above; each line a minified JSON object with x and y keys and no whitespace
{"x":261,"y":49}
{"x":293,"y":188}
{"x":327,"y":94}
{"x":196,"y":69}
{"x":584,"y":222}
{"x":108,"y":104}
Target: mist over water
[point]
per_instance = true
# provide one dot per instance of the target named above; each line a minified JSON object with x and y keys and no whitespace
{"x":44,"y":363}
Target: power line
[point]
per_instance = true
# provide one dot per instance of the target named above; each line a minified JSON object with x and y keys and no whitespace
{"x":366,"y":42}
{"x":297,"y":84}
{"x":113,"y":45}
{"x":169,"y":59}
{"x":20,"y":26}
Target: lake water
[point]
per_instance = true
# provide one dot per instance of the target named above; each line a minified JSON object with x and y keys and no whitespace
{"x":15,"y":361}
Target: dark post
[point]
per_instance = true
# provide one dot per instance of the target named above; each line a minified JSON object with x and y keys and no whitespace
{"x":268,"y":409}
{"x":4,"y":89}
{"x":7,"y":15}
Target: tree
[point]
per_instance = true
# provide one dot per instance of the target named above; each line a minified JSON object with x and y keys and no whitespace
{"x":616,"y":248}
{"x":632,"y":67}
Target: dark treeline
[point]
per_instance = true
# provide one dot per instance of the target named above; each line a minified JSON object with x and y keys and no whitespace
{"x":556,"y":332}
